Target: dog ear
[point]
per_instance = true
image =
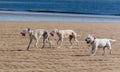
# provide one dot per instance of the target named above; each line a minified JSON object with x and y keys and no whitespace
{"x":28,"y":29}
{"x":55,"y":30}
{"x":89,"y":35}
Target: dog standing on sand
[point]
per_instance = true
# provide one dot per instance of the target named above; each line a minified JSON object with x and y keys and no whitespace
{"x":65,"y":34}
{"x":99,"y":43}
{"x":36,"y":35}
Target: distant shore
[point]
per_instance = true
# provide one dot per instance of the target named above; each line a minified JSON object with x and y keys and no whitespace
{"x":49,"y":16}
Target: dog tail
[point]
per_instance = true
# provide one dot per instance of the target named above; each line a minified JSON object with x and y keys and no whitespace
{"x":112,"y":40}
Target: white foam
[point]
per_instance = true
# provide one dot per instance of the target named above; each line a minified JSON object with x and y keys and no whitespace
{"x":33,"y":16}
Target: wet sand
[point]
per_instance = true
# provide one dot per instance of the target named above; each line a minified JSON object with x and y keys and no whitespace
{"x":55,"y":17}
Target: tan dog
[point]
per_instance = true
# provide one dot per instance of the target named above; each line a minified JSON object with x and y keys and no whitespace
{"x":65,"y":34}
{"x":36,"y":35}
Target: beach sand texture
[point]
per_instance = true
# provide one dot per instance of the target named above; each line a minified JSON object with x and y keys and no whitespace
{"x":15,"y":58}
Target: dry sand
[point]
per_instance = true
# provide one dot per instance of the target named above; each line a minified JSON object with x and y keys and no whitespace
{"x":15,"y":58}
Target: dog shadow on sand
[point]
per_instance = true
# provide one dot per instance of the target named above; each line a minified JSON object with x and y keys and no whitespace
{"x":81,"y":55}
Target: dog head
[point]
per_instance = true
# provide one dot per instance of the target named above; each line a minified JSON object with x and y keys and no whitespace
{"x":25,"y":31}
{"x":53,"y":32}
{"x":89,"y":39}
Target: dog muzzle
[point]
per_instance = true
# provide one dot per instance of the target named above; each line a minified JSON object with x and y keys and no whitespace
{"x":23,"y":34}
{"x":87,"y":41}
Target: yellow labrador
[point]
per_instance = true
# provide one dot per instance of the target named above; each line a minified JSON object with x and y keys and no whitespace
{"x":36,"y":35}
{"x":65,"y":34}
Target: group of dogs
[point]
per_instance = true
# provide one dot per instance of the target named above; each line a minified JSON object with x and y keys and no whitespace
{"x":71,"y":34}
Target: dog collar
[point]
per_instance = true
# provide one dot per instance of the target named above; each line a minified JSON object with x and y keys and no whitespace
{"x":93,"y":40}
{"x":30,"y":33}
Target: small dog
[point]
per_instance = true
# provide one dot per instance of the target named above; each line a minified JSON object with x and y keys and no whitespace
{"x":64,"y":34}
{"x":99,"y":43}
{"x":36,"y":35}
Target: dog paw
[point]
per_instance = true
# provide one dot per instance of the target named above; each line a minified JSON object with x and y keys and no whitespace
{"x":92,"y":55}
{"x":59,"y":47}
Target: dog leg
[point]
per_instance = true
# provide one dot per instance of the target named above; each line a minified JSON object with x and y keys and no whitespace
{"x":94,"y":49}
{"x":37,"y":38}
{"x":45,"y":39}
{"x":29,"y":43}
{"x":75,"y":38}
{"x":50,"y":43}
{"x":77,"y":42}
{"x":70,"y":40}
{"x":44,"y":42}
{"x":110,"y":49}
{"x":61,"y":41}
{"x":58,"y":41}
{"x":36,"y":44}
{"x":103,"y":50}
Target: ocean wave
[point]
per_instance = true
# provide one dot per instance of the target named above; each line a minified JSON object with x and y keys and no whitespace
{"x":42,"y":16}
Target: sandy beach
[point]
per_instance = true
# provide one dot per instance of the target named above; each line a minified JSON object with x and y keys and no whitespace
{"x":15,"y":58}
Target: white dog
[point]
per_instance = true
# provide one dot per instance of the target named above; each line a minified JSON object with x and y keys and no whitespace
{"x":37,"y":34}
{"x":98,"y":43}
{"x":64,"y":34}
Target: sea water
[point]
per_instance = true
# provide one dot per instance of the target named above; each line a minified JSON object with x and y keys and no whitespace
{"x":100,"y":7}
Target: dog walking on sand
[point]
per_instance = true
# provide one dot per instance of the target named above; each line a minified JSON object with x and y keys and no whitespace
{"x":99,"y":43}
{"x":36,"y":35}
{"x":64,"y":34}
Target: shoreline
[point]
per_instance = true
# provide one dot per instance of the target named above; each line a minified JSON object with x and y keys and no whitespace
{"x":61,"y":17}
